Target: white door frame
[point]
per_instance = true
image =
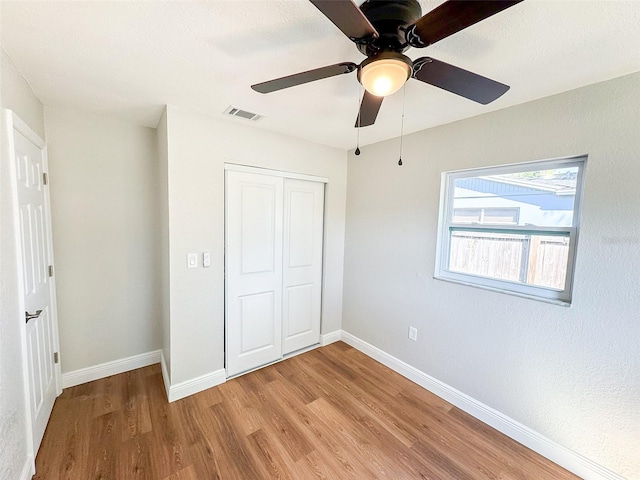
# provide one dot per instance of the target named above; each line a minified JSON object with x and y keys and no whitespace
{"x":275,"y":173}
{"x":14,"y":123}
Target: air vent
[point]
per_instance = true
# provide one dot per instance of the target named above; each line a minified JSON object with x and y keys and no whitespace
{"x":236,"y":112}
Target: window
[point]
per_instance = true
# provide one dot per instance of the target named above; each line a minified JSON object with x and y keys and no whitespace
{"x":512,"y":228}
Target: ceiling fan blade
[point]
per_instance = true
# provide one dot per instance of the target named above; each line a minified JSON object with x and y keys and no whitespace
{"x":451,"y":17}
{"x":304,"y":77}
{"x":456,"y":80}
{"x":368,"y":110}
{"x":348,"y":17}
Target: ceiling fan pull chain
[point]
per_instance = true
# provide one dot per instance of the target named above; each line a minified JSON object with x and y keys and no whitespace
{"x":357,"y":152}
{"x":404,"y":90}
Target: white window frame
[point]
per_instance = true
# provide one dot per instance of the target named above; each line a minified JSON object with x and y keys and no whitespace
{"x":445,"y":227}
{"x":482,"y":212}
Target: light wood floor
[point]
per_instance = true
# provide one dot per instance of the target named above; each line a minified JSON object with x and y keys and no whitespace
{"x":330,"y":413}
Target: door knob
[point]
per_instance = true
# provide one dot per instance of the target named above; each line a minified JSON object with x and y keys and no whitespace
{"x":30,"y":316}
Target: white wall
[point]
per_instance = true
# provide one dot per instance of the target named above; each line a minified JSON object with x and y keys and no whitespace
{"x":198,"y":150}
{"x":106,"y":229}
{"x":571,"y":374}
{"x":18,"y":96}
{"x":15,"y":94}
{"x":163,"y":239}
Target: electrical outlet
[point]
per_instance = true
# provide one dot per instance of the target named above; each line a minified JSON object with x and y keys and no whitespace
{"x":413,"y":334}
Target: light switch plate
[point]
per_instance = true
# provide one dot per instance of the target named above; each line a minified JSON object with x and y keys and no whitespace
{"x":192,"y":260}
{"x":206,"y":259}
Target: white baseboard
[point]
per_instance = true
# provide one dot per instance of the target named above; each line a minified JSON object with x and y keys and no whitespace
{"x":566,"y":458}
{"x":195,"y":385}
{"x":330,"y":337}
{"x":166,"y":378}
{"x":89,"y":374}
{"x":28,"y":469}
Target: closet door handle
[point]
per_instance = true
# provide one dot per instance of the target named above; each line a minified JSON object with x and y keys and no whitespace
{"x":31,"y":316}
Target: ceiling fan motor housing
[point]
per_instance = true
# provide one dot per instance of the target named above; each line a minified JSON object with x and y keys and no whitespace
{"x":389,"y":17}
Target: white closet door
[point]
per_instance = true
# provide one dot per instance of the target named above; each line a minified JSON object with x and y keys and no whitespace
{"x":302,"y":264}
{"x":254,"y":270}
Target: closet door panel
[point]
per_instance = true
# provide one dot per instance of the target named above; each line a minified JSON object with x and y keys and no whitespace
{"x":254,"y":206}
{"x":302,"y":259}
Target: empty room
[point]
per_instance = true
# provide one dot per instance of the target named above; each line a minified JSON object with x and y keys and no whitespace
{"x":320,"y":239}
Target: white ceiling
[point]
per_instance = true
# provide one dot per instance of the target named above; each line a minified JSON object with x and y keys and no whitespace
{"x":128,"y":59}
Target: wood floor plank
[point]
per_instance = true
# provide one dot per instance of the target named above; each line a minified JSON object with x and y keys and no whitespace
{"x":344,"y":388}
{"x":330,"y":413}
{"x":136,"y":458}
{"x":241,"y":402}
{"x":200,"y":444}
{"x":107,"y":395}
{"x":306,"y":392}
{"x":167,"y":433}
{"x":135,"y":405}
{"x":320,"y":467}
{"x":270,"y":456}
{"x":187,"y":473}
{"x":355,"y":445}
{"x":286,"y":430}
{"x":62,"y":454}
{"x":105,"y":437}
{"x":326,"y":439}
{"x":232,"y":444}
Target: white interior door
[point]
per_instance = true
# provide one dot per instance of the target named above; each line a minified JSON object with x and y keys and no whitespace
{"x":254,"y":205}
{"x":302,"y":264}
{"x":33,"y":217}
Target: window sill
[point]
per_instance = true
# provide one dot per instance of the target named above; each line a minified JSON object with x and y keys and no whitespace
{"x":562,"y":303}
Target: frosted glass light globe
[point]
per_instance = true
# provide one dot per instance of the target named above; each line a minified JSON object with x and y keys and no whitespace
{"x":385,"y":76}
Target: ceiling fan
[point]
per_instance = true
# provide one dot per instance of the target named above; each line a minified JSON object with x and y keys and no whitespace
{"x":382,"y":30}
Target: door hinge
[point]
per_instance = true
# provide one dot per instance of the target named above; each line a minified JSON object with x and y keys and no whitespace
{"x":55,"y":357}
{"x":51,"y":270}
{"x":45,"y":178}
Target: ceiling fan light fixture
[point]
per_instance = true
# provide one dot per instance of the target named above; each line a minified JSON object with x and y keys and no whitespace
{"x":385,"y":73}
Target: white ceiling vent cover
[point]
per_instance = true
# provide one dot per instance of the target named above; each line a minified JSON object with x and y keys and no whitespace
{"x":237,"y":112}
